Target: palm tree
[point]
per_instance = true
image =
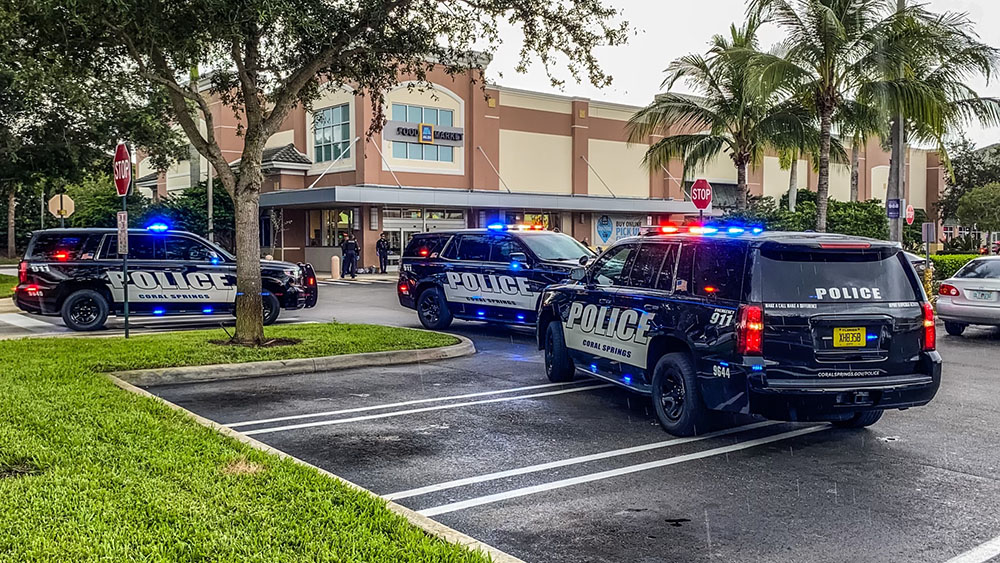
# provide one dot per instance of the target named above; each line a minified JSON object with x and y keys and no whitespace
{"x":857,"y":123}
{"x":729,"y":113}
{"x":835,"y":48}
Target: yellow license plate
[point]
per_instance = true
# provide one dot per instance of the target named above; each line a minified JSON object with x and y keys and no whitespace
{"x":854,"y":337}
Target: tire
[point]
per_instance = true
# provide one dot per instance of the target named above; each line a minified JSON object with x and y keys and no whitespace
{"x":558,"y":365}
{"x":85,"y":310}
{"x":432,"y":310}
{"x":676,"y":399}
{"x":859,"y":420}
{"x":954,"y":329}
{"x":271,"y":308}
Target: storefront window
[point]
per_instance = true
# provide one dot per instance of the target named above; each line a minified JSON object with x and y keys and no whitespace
{"x":328,"y":226}
{"x":333,"y":132}
{"x":417,"y":151}
{"x":397,"y":213}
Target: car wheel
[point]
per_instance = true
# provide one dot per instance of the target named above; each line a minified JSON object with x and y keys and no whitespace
{"x":271,"y":308}
{"x":85,"y":310}
{"x":558,"y":365}
{"x":859,"y":420}
{"x":675,"y":396}
{"x":432,"y":310}
{"x":954,"y":329}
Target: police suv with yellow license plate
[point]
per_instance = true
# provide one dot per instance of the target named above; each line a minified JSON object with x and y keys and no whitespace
{"x":494,"y":274}
{"x":790,"y":326}
{"x":77,"y":274}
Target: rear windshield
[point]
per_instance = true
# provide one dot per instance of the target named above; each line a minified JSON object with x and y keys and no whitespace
{"x":61,"y":247}
{"x":980,"y":269}
{"x":834,"y":277}
{"x":424,"y":246}
{"x":555,"y":246}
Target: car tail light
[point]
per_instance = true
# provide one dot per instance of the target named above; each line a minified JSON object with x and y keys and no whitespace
{"x":750,"y":330}
{"x":22,"y":272}
{"x":404,"y":288}
{"x":311,"y":281}
{"x":930,"y":333}
{"x":947,"y":289}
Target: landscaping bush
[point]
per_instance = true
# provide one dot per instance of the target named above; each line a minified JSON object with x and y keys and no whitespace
{"x":945,"y":265}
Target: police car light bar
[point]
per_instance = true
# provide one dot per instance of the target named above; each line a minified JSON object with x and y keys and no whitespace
{"x":519,"y":227}
{"x":670,"y":229}
{"x":158,"y":227}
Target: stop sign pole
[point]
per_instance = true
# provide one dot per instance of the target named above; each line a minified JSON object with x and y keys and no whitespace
{"x":122,"y":168}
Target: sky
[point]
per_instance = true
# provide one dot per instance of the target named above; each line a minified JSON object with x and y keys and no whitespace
{"x":667,"y":29}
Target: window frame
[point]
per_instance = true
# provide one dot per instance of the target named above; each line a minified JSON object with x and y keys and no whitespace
{"x":334,"y":125}
{"x":626,"y":267}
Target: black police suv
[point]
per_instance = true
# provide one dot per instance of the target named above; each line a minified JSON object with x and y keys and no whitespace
{"x":790,"y":326}
{"x":494,"y":274}
{"x":77,"y":273}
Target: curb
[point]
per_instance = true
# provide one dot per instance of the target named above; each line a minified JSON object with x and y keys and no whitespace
{"x":432,"y":527}
{"x":8,"y":306}
{"x":165,"y":376}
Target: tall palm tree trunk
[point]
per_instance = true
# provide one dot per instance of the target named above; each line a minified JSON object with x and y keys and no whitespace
{"x":793,"y":183}
{"x":823,"y":185}
{"x":855,"y":163}
{"x":894,"y":188}
{"x":11,"y":246}
{"x":741,"y":184}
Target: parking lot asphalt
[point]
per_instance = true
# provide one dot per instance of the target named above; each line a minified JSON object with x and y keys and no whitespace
{"x":582,"y":472}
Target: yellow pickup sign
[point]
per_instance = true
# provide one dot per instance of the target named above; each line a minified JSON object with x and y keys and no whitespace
{"x":853,"y":337}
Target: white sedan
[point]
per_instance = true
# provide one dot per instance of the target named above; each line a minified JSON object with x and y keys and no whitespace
{"x":971,"y":296}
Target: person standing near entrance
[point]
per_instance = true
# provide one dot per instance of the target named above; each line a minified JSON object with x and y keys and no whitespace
{"x":350,"y":250}
{"x":382,"y":250}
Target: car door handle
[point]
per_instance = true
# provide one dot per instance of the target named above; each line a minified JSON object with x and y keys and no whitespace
{"x":651,"y":307}
{"x":604,"y":301}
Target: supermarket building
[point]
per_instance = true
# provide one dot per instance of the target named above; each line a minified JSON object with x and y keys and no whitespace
{"x":456,"y":155}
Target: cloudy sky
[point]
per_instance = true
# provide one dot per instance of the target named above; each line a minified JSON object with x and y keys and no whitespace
{"x":667,"y":29}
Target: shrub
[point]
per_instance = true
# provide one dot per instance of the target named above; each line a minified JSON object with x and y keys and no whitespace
{"x":945,"y":265}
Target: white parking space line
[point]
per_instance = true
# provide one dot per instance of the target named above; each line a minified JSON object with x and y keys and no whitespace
{"x":980,"y":554}
{"x":395,"y":405}
{"x":24,"y":321}
{"x":572,"y":461}
{"x":425,"y":409}
{"x":525,"y":491}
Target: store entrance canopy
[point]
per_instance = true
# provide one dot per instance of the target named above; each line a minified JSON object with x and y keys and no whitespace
{"x":487,"y":199}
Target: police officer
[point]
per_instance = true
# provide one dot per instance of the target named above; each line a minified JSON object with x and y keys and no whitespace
{"x":350,"y":249}
{"x":382,"y":249}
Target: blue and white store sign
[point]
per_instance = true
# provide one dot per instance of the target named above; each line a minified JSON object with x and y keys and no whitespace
{"x":609,"y":228}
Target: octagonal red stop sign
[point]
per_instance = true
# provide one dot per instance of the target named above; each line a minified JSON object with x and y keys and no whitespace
{"x":701,"y":193}
{"x":122,"y":168}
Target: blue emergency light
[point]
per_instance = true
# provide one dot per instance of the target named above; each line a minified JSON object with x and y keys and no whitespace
{"x":158,"y":227}
{"x":159,"y":312}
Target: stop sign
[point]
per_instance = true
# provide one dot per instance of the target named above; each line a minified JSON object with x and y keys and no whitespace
{"x":910,"y":214}
{"x":122,"y":168}
{"x":701,"y":193}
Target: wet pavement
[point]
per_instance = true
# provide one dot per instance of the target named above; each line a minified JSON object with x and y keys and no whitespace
{"x":582,"y":472}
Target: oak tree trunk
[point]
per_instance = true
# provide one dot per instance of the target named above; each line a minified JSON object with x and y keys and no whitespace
{"x":855,"y":163}
{"x":249,"y":312}
{"x":11,"y":246}
{"x":823,"y":185}
{"x":793,"y":184}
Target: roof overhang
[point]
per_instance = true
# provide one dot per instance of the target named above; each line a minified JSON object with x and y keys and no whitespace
{"x":447,"y":197}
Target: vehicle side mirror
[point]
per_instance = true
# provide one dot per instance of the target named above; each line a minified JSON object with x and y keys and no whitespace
{"x":577,"y":274}
{"x":584,"y":260}
{"x":519,"y":257}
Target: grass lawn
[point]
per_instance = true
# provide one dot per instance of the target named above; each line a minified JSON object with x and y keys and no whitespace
{"x":89,"y":472}
{"x":7,"y":284}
